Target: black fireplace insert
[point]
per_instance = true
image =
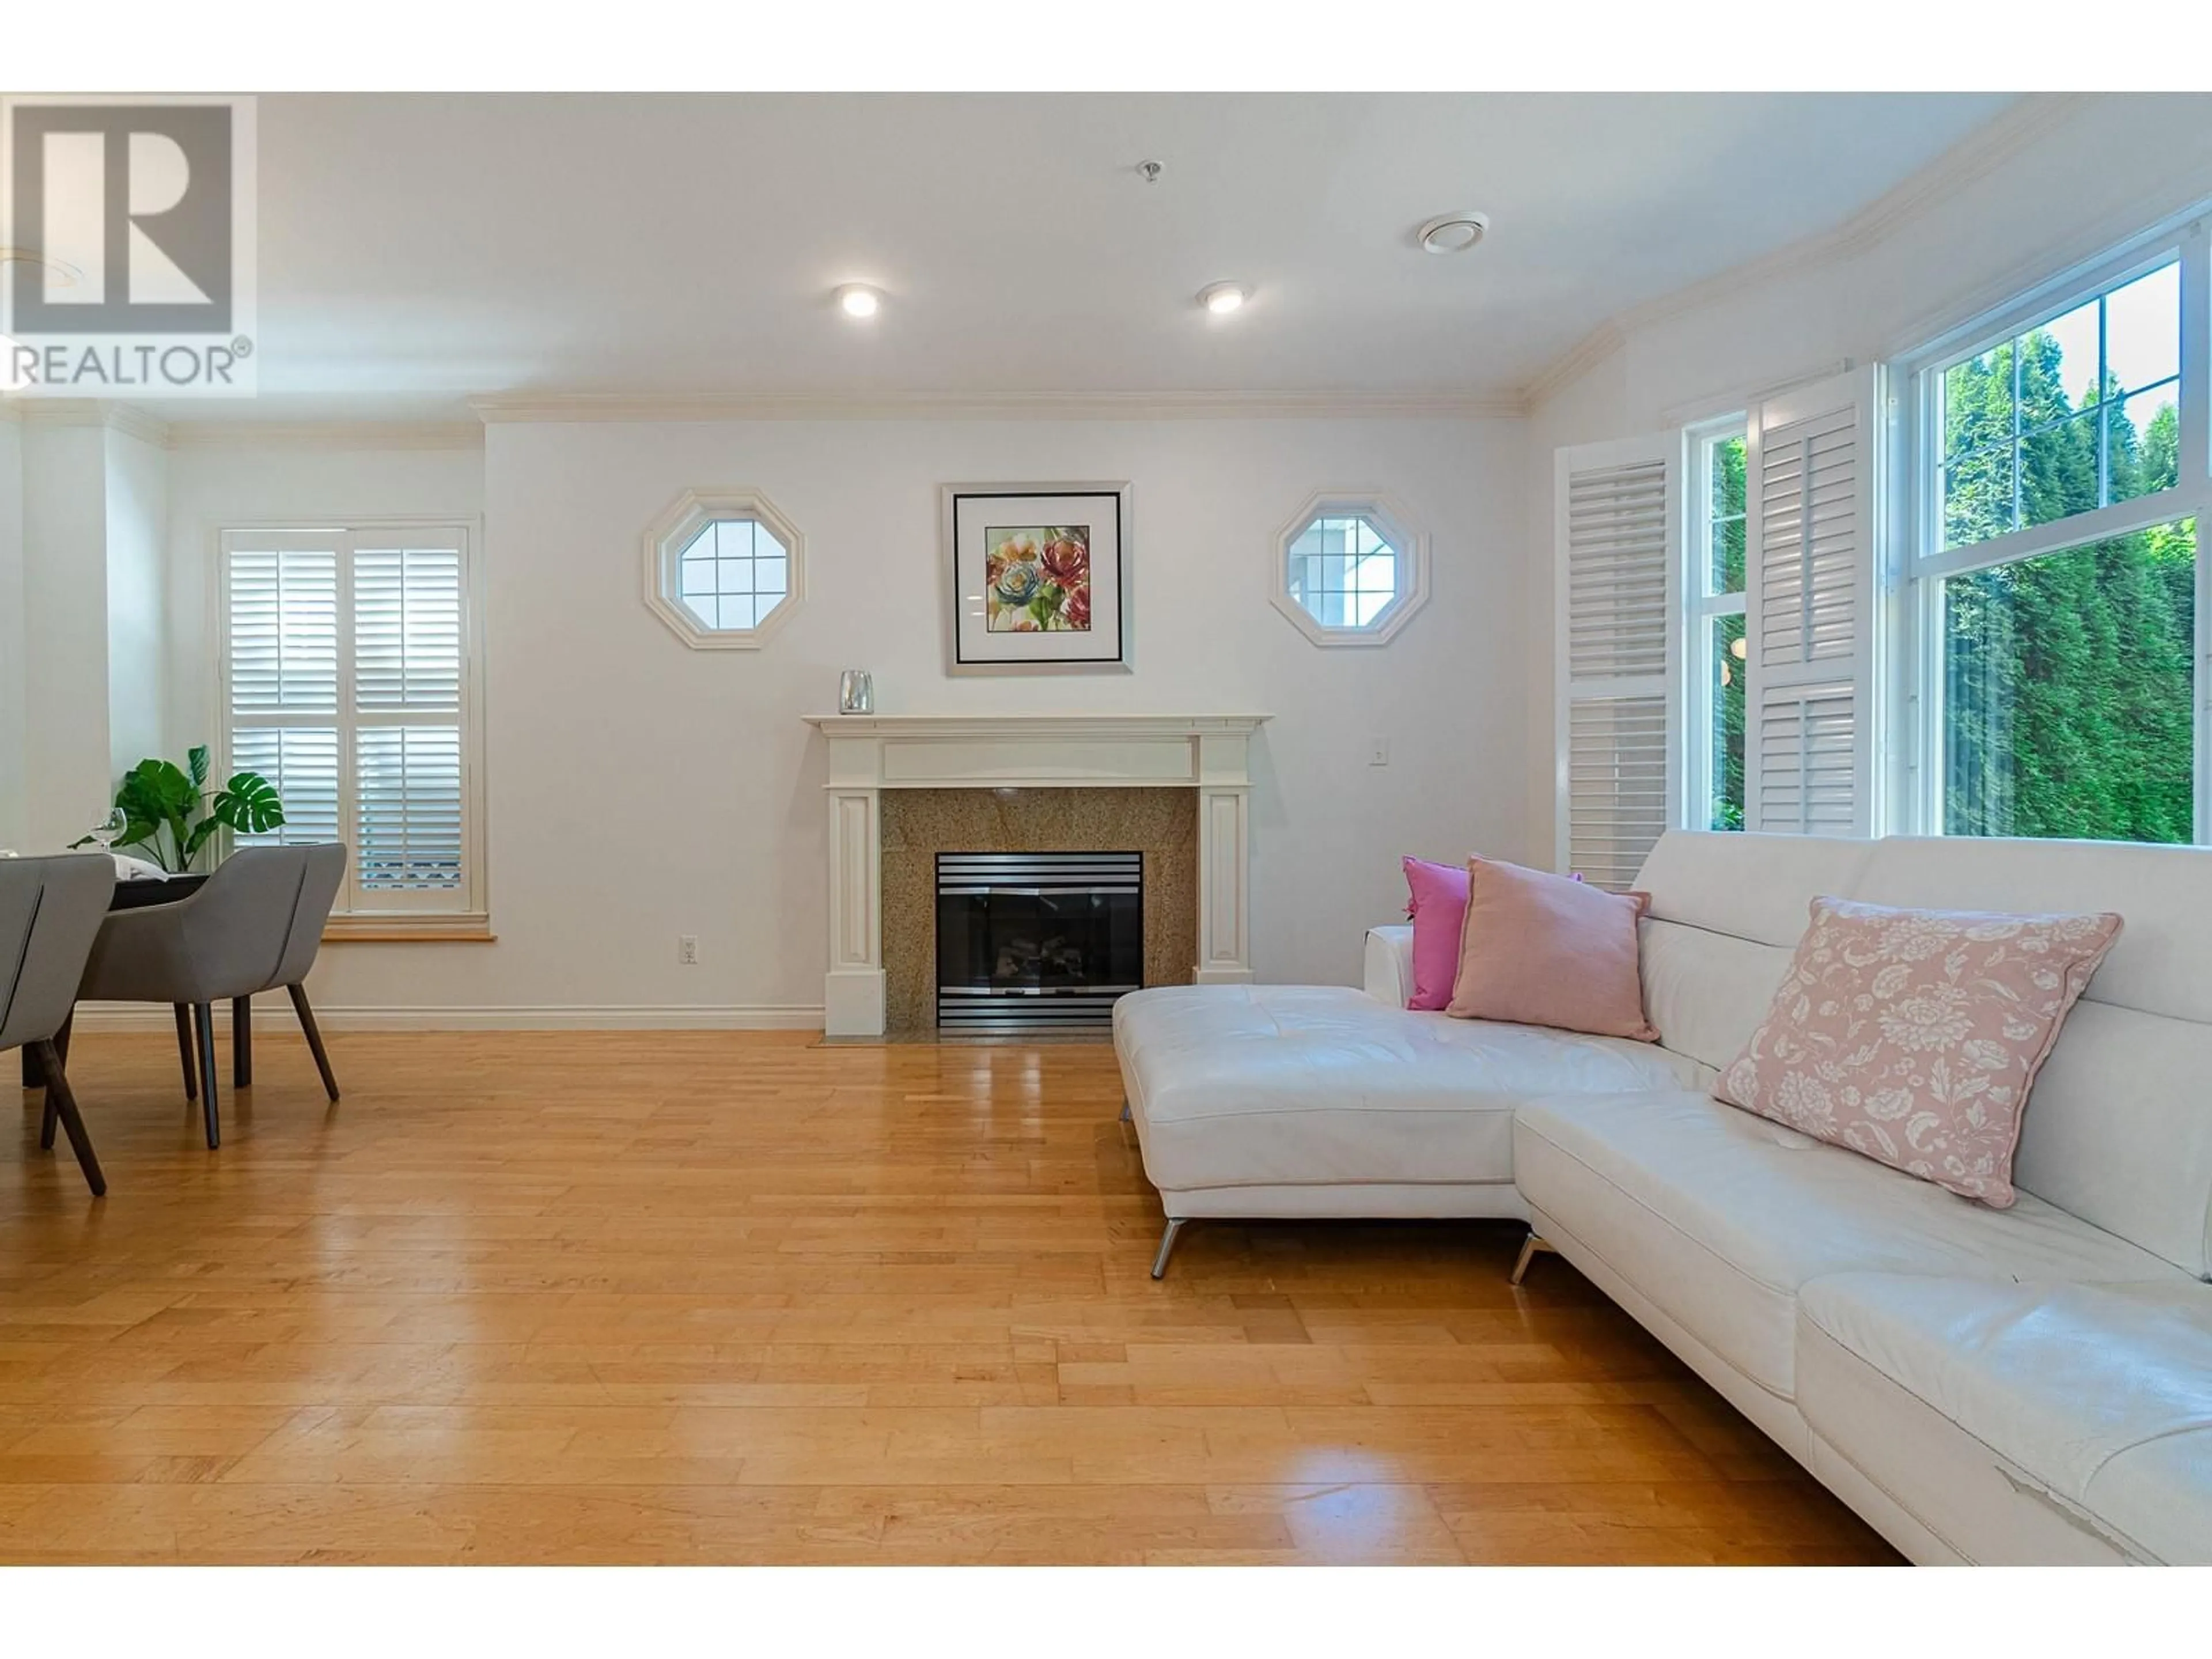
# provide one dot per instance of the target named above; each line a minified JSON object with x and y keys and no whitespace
{"x":1037,"y":941}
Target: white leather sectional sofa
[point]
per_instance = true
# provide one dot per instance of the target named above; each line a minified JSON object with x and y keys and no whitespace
{"x":2032,"y":1385}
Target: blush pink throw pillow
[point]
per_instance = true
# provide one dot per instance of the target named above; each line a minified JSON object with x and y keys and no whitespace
{"x":1437,"y":904}
{"x":1913,"y":1037}
{"x":1538,"y":949}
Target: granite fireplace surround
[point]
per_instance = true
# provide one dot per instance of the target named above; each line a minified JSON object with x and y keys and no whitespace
{"x":920,"y":824}
{"x":901,"y":788}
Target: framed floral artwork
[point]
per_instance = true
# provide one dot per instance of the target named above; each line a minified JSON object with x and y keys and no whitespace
{"x":1040,"y":577}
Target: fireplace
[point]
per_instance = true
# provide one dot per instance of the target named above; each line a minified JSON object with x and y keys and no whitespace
{"x":901,"y":788}
{"x":1037,"y":941}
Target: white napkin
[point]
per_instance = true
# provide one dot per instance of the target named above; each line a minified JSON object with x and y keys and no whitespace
{"x":130,"y":869}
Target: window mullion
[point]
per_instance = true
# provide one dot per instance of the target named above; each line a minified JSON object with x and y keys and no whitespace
{"x":313,"y":719}
{"x":348,"y":717}
{"x":2099,"y":524}
{"x":2011,"y":461}
{"x":2103,"y":404}
{"x":2194,"y":476}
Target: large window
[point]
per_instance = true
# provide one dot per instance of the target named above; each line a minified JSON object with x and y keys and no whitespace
{"x":2057,"y":468}
{"x":348,"y":682}
{"x":1717,"y":652}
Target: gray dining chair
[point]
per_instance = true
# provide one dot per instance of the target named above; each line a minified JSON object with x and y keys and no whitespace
{"x":254,"y":925}
{"x":50,"y":914}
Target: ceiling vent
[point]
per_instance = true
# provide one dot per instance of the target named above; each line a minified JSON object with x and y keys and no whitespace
{"x":1453,"y":233}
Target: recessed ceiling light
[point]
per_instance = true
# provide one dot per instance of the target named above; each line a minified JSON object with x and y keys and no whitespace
{"x":859,"y":299}
{"x":1453,"y":233}
{"x":1222,"y":298}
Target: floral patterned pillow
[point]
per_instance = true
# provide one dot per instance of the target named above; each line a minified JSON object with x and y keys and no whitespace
{"x":1914,"y":1036}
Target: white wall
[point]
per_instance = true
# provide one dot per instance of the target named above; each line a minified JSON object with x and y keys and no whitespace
{"x":14,"y":689}
{"x":2106,"y":169}
{"x":640,"y":789}
{"x":136,"y":523}
{"x":65,"y":761}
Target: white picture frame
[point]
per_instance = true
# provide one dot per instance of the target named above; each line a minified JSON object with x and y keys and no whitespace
{"x":1013,"y":554}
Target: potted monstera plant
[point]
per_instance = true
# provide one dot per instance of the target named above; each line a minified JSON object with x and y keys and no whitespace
{"x":167,"y":812}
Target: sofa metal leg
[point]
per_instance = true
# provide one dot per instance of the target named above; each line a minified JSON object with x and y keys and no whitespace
{"x":1125,"y":1117}
{"x":1167,"y":1247}
{"x":1530,"y":1247}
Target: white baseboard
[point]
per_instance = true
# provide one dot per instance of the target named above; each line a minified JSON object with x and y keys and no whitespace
{"x":679,"y":1016}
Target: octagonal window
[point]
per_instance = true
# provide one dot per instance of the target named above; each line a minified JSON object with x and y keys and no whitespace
{"x":1349,"y":571}
{"x":1344,"y":571}
{"x":722,"y":568}
{"x":732,"y":574}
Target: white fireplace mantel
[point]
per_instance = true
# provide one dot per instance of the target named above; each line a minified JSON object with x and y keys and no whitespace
{"x":870,"y":753}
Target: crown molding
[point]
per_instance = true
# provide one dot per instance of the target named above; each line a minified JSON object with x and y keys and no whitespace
{"x":326,"y":434}
{"x":1973,"y":159}
{"x":91,"y":412}
{"x":1585,"y":354}
{"x":60,"y":411}
{"x":121,"y":418}
{"x":504,"y":408}
{"x":244,"y":434}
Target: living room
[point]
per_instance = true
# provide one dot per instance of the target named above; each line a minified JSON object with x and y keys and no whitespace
{"x":940,"y":828}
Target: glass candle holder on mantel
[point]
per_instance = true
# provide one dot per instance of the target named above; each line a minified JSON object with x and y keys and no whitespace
{"x":856,"y":692}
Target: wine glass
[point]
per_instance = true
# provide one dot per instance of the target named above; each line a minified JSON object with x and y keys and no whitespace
{"x":106,"y":831}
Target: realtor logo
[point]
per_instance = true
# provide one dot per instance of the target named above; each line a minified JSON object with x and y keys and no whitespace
{"x":126,"y":239}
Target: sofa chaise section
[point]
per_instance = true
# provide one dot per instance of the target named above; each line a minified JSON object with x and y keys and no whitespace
{"x":1307,"y":1101}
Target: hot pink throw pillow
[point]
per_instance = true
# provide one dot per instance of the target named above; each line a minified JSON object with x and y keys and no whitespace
{"x":1437,"y":902}
{"x":1914,"y":1036}
{"x":1538,"y":949}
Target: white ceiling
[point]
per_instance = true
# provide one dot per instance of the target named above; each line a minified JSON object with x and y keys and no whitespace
{"x":415,"y":249}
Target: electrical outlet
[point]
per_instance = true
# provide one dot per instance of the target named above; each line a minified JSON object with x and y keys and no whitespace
{"x":687,"y":950}
{"x":1378,"y":751}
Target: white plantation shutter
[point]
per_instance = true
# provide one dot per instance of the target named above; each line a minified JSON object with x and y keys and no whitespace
{"x":410,"y":793}
{"x":1811,"y":621}
{"x":283,"y":667}
{"x":285,"y":631}
{"x":305,"y":765}
{"x":348,"y":684}
{"x":408,"y":685}
{"x":1618,"y":530}
{"x":407,"y":628}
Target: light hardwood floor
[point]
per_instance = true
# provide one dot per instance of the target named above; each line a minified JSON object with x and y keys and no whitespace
{"x":731,"y":1298}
